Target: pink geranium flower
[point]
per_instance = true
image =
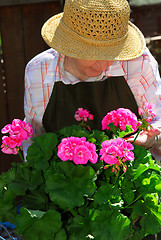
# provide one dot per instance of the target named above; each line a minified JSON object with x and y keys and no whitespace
{"x":150,"y":114}
{"x":116,"y":152}
{"x":83,"y":114}
{"x":120,"y":118}
{"x":147,"y":115}
{"x":81,"y":154}
{"x":11,"y":142}
{"x":9,"y":150}
{"x":18,"y":131}
{"x":77,"y":150}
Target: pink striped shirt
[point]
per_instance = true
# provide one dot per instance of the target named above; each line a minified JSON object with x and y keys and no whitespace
{"x":45,"y":69}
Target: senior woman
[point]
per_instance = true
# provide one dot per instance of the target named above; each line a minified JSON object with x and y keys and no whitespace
{"x":98,"y":60}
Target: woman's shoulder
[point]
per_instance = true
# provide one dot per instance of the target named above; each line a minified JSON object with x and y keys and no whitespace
{"x":45,"y":57}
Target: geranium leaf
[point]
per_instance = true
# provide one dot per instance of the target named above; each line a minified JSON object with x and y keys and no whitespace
{"x":7,"y":211}
{"x":146,"y":183}
{"x":60,"y":235}
{"x":127,"y":131}
{"x":151,"y":201}
{"x":36,"y":198}
{"x":24,"y":220}
{"x":142,"y":168}
{"x":36,"y":213}
{"x":79,"y":227}
{"x":141,"y":156}
{"x":68,"y":186}
{"x":103,"y":194}
{"x":41,"y":150}
{"x":158,"y":187}
{"x":110,"y":194}
{"x":112,"y":224}
{"x":36,"y":225}
{"x":128,"y":196}
{"x":139,"y":209}
{"x":73,"y":130}
{"x":98,"y":137}
{"x":150,"y":223}
{"x":136,"y":236}
{"x":25,"y":178}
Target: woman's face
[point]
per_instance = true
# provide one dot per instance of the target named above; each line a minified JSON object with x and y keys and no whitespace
{"x":90,"y":68}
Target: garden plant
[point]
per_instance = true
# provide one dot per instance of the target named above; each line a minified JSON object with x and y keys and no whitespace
{"x":82,"y":183}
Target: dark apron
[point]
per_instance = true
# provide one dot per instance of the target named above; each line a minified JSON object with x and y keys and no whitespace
{"x":98,"y":98}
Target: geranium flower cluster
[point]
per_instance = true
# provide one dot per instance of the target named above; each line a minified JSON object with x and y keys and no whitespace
{"x":150,"y":115}
{"x":77,"y":150}
{"x":18,"y":131}
{"x":120,"y":118}
{"x":116,"y":152}
{"x":147,"y":115}
{"x":83,"y":115}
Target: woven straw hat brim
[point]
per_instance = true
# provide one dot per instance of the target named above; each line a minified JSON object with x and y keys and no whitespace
{"x":58,"y":36}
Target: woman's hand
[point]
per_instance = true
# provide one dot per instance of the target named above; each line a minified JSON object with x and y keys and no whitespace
{"x":147,"y":139}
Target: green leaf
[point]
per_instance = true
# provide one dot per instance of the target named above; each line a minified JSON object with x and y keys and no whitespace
{"x":73,"y":130}
{"x":61,"y":235}
{"x":128,"y":196}
{"x":141,"y":156}
{"x":108,"y":194}
{"x":151,"y":201}
{"x":69,"y":184}
{"x":7,"y":211}
{"x":35,"y":225}
{"x":112,"y":224}
{"x":99,"y":137}
{"x":157,"y":215}
{"x":127,"y":131}
{"x":147,"y":215}
{"x":138,"y":210}
{"x":158,"y":187}
{"x":24,"y":220}
{"x":36,"y":199}
{"x":41,"y":150}
{"x":36,"y":213}
{"x":136,"y":236}
{"x":9,"y":196}
{"x":79,"y":228}
{"x":150,"y":224}
{"x":142,"y":168}
{"x":102,"y":194}
{"x":142,"y":186}
{"x":127,"y":189}
{"x":25,"y":179}
{"x":146,"y":181}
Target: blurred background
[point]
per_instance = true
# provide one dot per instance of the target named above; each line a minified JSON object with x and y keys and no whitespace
{"x":20,"y":40}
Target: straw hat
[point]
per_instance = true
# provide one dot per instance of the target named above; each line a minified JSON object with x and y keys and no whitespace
{"x":94,"y":30}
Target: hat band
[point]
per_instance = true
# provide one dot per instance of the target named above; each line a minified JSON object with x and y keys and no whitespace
{"x":67,"y":30}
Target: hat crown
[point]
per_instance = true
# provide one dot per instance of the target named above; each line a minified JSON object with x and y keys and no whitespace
{"x":99,"y":20}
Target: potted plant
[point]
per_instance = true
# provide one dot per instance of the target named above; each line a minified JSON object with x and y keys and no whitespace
{"x":83,"y":184}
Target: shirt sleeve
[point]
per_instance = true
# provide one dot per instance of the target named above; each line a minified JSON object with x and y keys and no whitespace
{"x":31,"y":115}
{"x":40,"y":75}
{"x":144,"y":80}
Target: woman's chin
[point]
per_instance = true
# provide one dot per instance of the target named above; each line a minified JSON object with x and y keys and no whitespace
{"x":95,"y":74}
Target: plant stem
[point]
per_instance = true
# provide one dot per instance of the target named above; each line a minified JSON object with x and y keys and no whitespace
{"x":73,"y":212}
{"x":122,"y":175}
{"x":136,"y":136}
{"x":21,"y":156}
{"x":132,"y":202}
{"x":117,"y":176}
